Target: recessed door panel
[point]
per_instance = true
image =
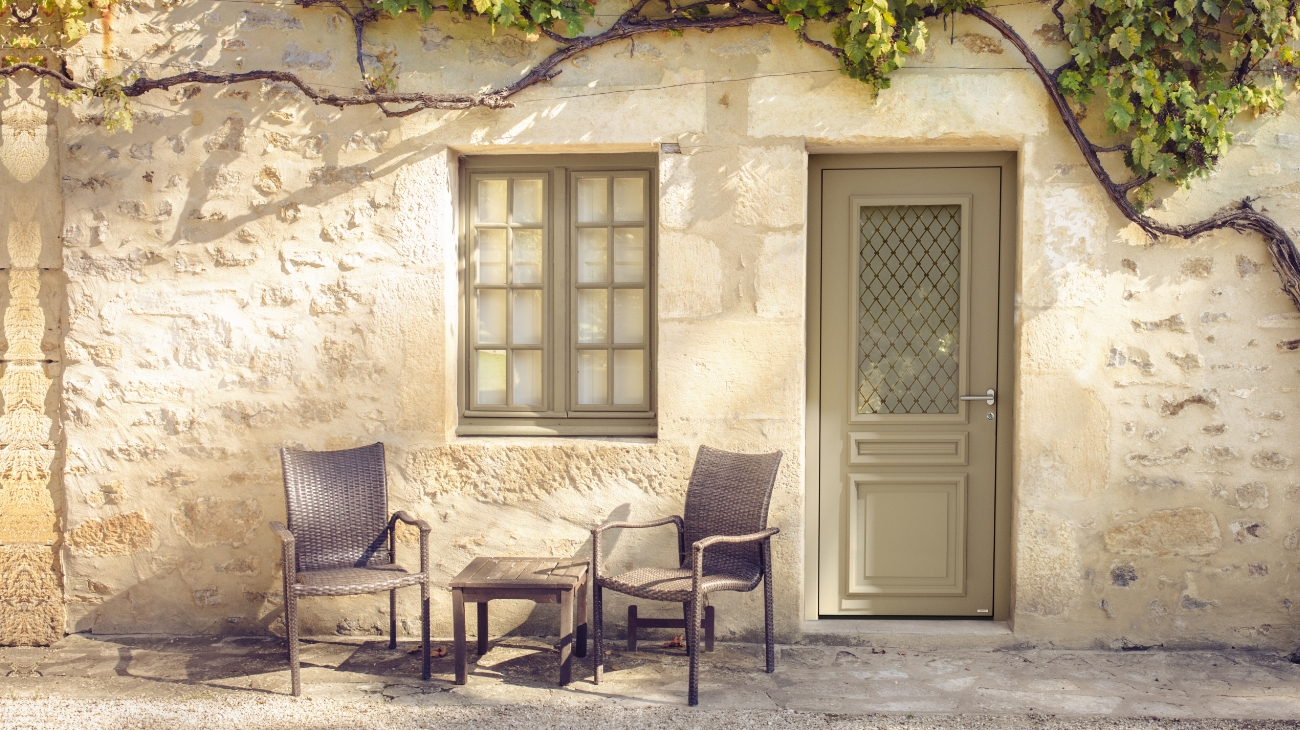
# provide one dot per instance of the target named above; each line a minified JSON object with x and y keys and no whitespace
{"x":925,"y":513}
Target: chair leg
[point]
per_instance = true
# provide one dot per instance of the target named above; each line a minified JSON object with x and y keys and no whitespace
{"x":693,"y":649}
{"x":769,"y":621}
{"x":631,"y":628}
{"x":427,"y":671}
{"x":392,"y":619}
{"x":708,"y":628}
{"x":291,"y":636}
{"x":597,"y":634}
{"x":686,"y":629}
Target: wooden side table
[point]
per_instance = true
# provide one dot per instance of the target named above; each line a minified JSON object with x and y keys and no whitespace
{"x":542,"y":580}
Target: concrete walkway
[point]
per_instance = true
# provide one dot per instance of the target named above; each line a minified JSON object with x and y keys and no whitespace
{"x":180,"y":682}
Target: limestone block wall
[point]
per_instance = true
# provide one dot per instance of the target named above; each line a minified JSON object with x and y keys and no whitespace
{"x":245,"y":270}
{"x":31,"y":591}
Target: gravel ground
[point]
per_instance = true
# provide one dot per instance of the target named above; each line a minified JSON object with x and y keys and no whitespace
{"x":277,"y":712}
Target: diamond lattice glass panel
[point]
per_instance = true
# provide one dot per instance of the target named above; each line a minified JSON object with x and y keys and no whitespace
{"x":909,"y":297}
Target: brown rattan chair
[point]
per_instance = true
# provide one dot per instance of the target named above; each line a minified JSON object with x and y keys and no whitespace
{"x":725,"y":527}
{"x":340,"y":540}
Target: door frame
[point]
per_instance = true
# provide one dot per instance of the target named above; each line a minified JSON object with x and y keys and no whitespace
{"x":1008,"y":361}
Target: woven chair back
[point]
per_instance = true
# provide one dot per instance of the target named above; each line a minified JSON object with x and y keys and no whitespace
{"x":729,"y":495}
{"x":338,"y":506}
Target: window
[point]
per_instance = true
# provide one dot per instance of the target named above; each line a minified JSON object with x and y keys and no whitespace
{"x":558,"y":268}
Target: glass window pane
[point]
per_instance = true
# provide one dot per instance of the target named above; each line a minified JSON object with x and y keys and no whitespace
{"x":629,"y":254}
{"x":909,"y":300}
{"x":527,"y":377}
{"x":629,"y":377}
{"x":492,"y":201}
{"x":492,"y":317}
{"x":593,"y":316}
{"x":629,"y":199}
{"x":492,"y":377}
{"x":492,"y":256}
{"x":528,"y":317}
{"x":528,"y":256}
{"x":629,"y":316}
{"x":528,"y":201}
{"x":593,"y":199}
{"x":593,"y":380}
{"x":593,"y":255}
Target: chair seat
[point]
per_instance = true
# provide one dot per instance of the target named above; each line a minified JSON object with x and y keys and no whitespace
{"x":350,"y":581}
{"x":673,"y":584}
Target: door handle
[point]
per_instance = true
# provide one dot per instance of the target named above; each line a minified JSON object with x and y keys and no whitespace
{"x":990,"y":397}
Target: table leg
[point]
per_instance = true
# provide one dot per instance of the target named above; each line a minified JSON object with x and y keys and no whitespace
{"x":566,"y":636}
{"x":458,"y":632}
{"x":582,"y":619}
{"x":482,"y":627}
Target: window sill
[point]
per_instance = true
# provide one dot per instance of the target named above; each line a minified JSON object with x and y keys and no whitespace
{"x":622,"y":427}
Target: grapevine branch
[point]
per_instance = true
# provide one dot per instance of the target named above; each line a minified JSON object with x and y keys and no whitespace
{"x":1241,"y":217}
{"x":629,"y":24}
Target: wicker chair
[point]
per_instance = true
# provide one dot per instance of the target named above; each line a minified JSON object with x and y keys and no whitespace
{"x":725,"y":525}
{"x":335,"y":542}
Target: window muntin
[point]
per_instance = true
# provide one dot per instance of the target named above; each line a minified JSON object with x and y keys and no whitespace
{"x":558,"y":295}
{"x":507,"y":302}
{"x":610,"y":291}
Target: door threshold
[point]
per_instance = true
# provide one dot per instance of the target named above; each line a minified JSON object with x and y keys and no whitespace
{"x":913,"y":634}
{"x":970,"y":627}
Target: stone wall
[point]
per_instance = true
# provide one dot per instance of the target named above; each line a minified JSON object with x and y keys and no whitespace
{"x":245,"y":270}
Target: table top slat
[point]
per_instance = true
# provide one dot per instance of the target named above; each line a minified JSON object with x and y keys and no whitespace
{"x":501,"y":570}
{"x":480,"y":567}
{"x":487,"y":573}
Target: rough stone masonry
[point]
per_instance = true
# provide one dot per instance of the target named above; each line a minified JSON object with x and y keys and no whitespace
{"x":245,"y":270}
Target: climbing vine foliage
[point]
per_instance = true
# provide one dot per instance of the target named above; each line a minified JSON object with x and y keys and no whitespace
{"x":1169,"y":76}
{"x":1172,"y":74}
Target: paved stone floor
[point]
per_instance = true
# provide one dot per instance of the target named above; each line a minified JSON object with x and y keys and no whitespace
{"x":182,"y":682}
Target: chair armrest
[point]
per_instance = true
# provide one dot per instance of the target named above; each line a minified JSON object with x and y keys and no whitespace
{"x":697,"y":550}
{"x":425,"y":529}
{"x":287,"y":555}
{"x":406,"y":517}
{"x":596,"y":532}
{"x":699,"y":545}
{"x":282,"y":532}
{"x":636,"y":525}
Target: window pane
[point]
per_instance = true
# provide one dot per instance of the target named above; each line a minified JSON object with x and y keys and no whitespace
{"x":528,"y":201}
{"x":629,"y":377}
{"x":593,"y":200}
{"x":491,"y":201}
{"x":528,"y":377}
{"x":629,"y":316}
{"x":528,"y":317}
{"x":629,"y":255}
{"x":593,"y":315}
{"x":492,"y":317}
{"x":528,"y":256}
{"x":492,"y":377}
{"x":492,"y":256}
{"x":909,"y":306}
{"x":593,"y":381}
{"x":629,"y":199}
{"x":593,"y":255}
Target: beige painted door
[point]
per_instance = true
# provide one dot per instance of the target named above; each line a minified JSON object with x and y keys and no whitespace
{"x":909,"y":363}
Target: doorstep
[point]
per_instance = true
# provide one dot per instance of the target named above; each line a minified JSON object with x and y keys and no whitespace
{"x":917,"y":634}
